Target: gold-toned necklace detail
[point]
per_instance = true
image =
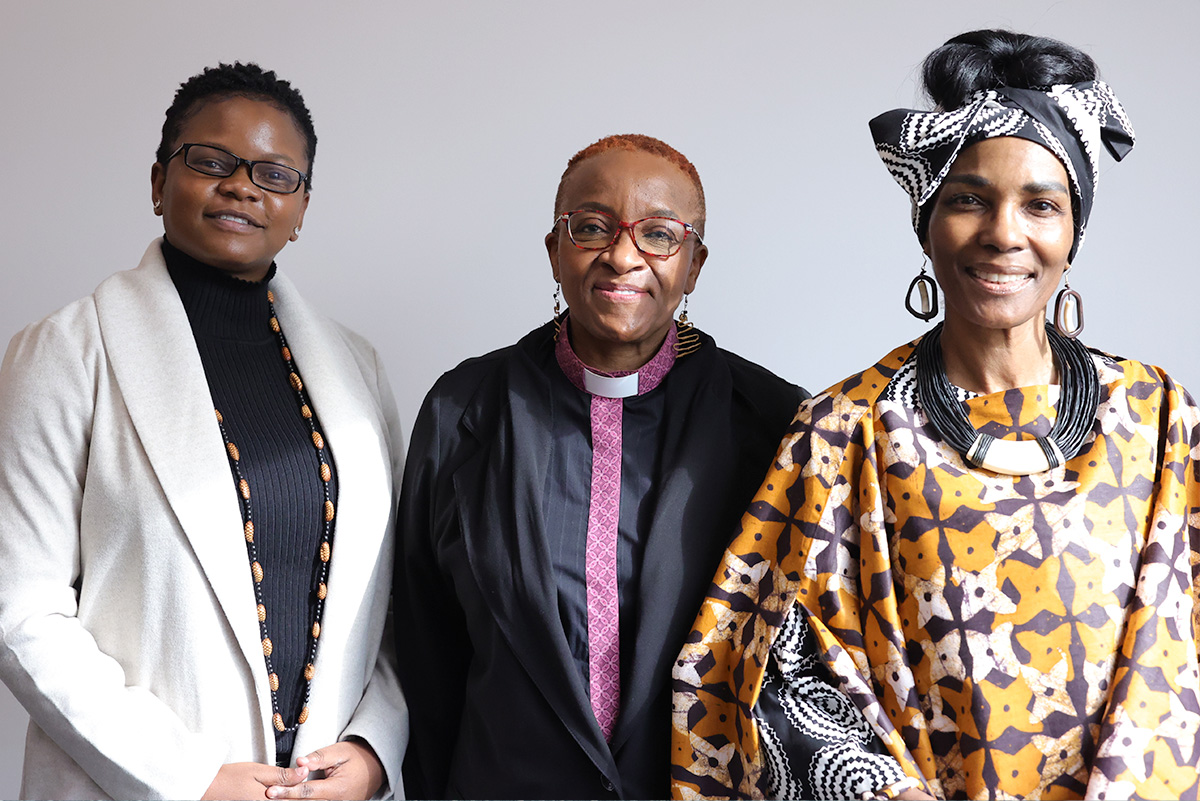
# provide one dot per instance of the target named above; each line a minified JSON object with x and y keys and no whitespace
{"x":324,"y":552}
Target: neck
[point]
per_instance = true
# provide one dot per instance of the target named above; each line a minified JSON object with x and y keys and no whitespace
{"x":987,"y":360}
{"x":609,"y":357}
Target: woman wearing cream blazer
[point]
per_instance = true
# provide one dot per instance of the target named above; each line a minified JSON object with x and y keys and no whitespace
{"x":138,"y":609}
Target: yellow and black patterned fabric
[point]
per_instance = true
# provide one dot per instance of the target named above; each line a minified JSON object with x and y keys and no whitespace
{"x":1005,"y":636}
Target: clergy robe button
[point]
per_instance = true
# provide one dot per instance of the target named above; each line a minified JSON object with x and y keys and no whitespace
{"x":606,"y":784}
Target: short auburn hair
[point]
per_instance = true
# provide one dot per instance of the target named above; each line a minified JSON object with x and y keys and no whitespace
{"x":635,"y":142}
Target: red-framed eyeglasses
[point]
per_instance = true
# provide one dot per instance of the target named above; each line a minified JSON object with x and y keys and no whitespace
{"x":590,"y":229}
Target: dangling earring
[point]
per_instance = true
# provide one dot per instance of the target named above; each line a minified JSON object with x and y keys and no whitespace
{"x":557,"y":324}
{"x":927,"y":289}
{"x":1068,"y":309}
{"x":687,"y":340}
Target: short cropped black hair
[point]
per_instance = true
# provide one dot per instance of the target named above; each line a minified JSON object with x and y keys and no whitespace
{"x":237,"y":80}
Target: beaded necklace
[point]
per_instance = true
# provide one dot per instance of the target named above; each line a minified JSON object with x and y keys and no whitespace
{"x":324,"y":553}
{"x":1078,"y":400}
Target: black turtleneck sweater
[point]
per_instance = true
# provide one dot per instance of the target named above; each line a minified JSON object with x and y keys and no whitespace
{"x":248,"y":380}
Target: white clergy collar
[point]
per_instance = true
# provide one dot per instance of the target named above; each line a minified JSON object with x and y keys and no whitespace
{"x":610,"y":387}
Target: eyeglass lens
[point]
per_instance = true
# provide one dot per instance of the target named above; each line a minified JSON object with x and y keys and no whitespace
{"x":266,"y":174}
{"x":658,"y":236}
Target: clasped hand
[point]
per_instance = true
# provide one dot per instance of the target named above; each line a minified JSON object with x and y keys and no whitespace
{"x":351,"y":771}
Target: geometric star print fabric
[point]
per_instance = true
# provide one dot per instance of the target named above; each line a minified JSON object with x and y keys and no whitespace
{"x":1004,"y":636}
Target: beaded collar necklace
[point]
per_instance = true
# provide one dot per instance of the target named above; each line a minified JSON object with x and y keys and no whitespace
{"x":1078,"y":399}
{"x":324,"y":553}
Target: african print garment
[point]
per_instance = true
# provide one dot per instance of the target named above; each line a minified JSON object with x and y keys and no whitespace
{"x":1004,"y":636}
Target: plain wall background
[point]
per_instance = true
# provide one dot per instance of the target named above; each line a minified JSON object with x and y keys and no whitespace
{"x":444,"y":128}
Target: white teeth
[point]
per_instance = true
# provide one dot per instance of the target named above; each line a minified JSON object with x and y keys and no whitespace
{"x":234,"y":218}
{"x":1000,"y":278}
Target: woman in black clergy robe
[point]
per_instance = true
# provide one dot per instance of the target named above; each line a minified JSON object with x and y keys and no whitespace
{"x":566,"y":500}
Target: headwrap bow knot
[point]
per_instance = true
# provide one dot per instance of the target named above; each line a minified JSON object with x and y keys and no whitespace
{"x":1071,"y":120}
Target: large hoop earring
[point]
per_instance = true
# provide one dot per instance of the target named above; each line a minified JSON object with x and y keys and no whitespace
{"x":557,"y":324}
{"x":687,"y":340}
{"x":1068,"y":309}
{"x":927,"y":290}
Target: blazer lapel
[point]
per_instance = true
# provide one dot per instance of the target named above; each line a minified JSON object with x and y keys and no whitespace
{"x":499,"y":494}
{"x":350,"y":416}
{"x":153,"y":356}
{"x":682,"y":548}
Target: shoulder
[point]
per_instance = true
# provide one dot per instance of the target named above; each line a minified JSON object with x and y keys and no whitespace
{"x":482,"y":380}
{"x":772,"y":397}
{"x":845,"y":405}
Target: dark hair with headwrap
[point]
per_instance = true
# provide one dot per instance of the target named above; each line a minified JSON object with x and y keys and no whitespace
{"x":643,"y":144}
{"x":1000,"y":83}
{"x":237,"y":80}
{"x":988,"y":59}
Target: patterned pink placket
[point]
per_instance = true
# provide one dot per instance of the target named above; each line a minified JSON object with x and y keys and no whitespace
{"x":604,"y":512}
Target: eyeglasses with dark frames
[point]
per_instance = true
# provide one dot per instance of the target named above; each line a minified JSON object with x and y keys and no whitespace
{"x":219,"y":163}
{"x":590,"y":229}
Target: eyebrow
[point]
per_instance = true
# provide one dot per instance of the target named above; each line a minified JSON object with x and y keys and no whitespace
{"x":660,"y":212}
{"x":271,"y":158}
{"x":1033,"y":187}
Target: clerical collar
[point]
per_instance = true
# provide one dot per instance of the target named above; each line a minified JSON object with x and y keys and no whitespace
{"x":621,"y":384}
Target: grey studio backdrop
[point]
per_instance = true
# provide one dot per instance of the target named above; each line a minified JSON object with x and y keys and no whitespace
{"x":444,"y":127}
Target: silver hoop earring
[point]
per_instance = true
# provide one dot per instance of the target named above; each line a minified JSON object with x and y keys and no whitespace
{"x":158,"y":204}
{"x":1068,"y":310}
{"x":296,"y":231}
{"x":927,"y":291}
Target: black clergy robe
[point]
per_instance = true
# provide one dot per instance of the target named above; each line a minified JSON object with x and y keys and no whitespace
{"x":497,"y":700}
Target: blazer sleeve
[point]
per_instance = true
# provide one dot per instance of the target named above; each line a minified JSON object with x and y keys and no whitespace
{"x":430,"y":628}
{"x":381,"y":718}
{"x":130,"y":743}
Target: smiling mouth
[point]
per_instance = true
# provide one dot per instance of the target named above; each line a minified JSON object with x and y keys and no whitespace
{"x":235,"y":218}
{"x":1004,"y":282}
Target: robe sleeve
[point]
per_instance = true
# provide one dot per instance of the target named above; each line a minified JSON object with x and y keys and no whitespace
{"x":430,"y":629}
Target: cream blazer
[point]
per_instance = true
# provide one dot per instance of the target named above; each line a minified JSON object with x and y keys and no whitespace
{"x":127,"y":617}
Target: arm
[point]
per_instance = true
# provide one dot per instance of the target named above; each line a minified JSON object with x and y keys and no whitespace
{"x":126,"y":740}
{"x":809,"y":726}
{"x":430,"y":629}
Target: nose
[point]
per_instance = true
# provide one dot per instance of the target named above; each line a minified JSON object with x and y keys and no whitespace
{"x":1004,"y":228}
{"x":622,"y":255}
{"x":239,"y":185}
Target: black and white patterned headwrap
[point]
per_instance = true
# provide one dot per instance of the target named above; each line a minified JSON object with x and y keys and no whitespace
{"x":1070,"y":120}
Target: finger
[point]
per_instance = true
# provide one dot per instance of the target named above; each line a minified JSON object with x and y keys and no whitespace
{"x":317,"y":788}
{"x":286,"y":777}
{"x":317,"y":760}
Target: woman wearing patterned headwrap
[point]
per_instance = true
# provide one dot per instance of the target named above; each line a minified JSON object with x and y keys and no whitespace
{"x":991,"y":538}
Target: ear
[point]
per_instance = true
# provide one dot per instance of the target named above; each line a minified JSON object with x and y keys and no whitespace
{"x":699,"y":256}
{"x":552,"y":251}
{"x":300,"y":218}
{"x":158,"y":177}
